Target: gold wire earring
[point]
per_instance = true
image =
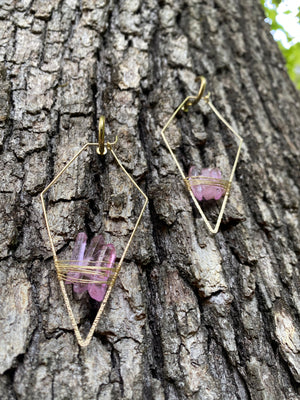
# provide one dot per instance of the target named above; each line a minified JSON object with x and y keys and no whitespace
{"x":208,"y":184}
{"x":92,"y":268}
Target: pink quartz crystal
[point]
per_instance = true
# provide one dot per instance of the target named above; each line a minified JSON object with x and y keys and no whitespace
{"x":98,"y":254}
{"x":206,"y":191}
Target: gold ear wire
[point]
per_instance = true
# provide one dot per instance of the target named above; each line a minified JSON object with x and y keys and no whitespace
{"x":101,"y":149}
{"x":102,"y":146}
{"x":195,"y":99}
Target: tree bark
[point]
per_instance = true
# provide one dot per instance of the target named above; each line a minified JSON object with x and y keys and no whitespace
{"x":192,"y":316}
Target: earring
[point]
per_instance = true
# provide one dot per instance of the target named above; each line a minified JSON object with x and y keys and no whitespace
{"x":92,"y":268}
{"x":208,"y":184}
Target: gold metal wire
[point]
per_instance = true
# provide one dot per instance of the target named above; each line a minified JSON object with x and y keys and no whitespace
{"x":205,"y":180}
{"x":101,"y":149}
{"x":64,"y":267}
{"x":195,"y":99}
{"x":60,"y":264}
{"x":187,"y":102}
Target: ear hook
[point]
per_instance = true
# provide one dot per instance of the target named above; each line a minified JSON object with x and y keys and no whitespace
{"x":101,"y":149}
{"x":196,"y":99}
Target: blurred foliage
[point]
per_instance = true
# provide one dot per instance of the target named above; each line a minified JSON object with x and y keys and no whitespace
{"x":291,"y":54}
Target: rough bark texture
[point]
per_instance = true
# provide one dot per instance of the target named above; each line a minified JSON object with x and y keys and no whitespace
{"x":191,"y":316}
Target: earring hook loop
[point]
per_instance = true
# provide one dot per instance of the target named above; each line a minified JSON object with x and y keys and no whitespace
{"x":192,"y":100}
{"x":102,"y":148}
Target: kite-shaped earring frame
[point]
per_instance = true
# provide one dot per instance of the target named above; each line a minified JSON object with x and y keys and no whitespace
{"x":198,"y":180}
{"x":63,"y":265}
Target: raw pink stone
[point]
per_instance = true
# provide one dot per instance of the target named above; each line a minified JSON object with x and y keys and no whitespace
{"x":77,"y":256}
{"x":97,"y":254}
{"x":206,"y":191}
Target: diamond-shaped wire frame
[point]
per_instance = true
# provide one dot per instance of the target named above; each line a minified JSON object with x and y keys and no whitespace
{"x":184,"y":106}
{"x":84,"y":342}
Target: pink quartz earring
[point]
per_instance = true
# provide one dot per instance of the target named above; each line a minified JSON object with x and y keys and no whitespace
{"x":207,"y":184}
{"x":94,"y":266}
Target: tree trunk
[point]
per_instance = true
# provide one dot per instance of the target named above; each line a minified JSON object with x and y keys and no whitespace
{"x":191,"y":316}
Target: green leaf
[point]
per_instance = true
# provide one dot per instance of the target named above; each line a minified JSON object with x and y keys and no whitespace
{"x":276,"y":2}
{"x":298,"y":15}
{"x":292,"y":55}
